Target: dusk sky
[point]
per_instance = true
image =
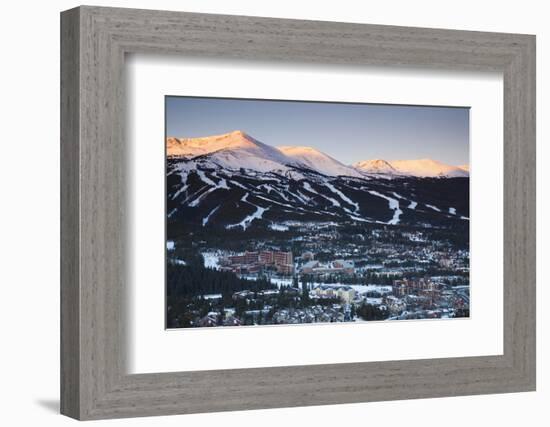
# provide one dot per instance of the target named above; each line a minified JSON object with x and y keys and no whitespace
{"x":347,"y":132}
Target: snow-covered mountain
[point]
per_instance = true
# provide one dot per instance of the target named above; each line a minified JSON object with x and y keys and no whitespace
{"x":421,"y":168}
{"x":235,"y":182}
{"x":237,"y":150}
{"x":376,"y":166}
{"x":234,"y":150}
{"x":314,"y":159}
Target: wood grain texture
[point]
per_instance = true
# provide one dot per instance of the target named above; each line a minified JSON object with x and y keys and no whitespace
{"x":94,"y":382}
{"x":70,"y":314}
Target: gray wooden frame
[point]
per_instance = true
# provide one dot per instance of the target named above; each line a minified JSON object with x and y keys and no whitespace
{"x":94,"y":382}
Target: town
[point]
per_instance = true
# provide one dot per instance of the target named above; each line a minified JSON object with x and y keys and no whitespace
{"x":321,"y":272}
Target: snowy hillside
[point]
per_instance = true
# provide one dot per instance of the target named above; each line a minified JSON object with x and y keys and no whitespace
{"x":235,"y":182}
{"x":376,"y":166}
{"x":237,"y":150}
{"x":312,"y":158}
{"x":422,"y":168}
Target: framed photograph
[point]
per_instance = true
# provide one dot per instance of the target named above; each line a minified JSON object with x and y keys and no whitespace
{"x":259,"y":234}
{"x":278,"y":213}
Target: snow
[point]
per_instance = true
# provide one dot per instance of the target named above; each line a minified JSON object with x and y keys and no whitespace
{"x":427,"y":168}
{"x":279,"y":281}
{"x":342,"y":195}
{"x":181,"y":190}
{"x":237,"y":150}
{"x":394,"y":205}
{"x":303,"y":197}
{"x":312,"y":158}
{"x":383,"y":289}
{"x":452,"y":211}
{"x":270,"y":188}
{"x":413,"y":205}
{"x":334,"y":202}
{"x":197,"y":201}
{"x":212,"y":296}
{"x":278,"y":227}
{"x":417,"y":168}
{"x":376,"y":166}
{"x":236,"y":140}
{"x":278,"y":203}
{"x":238,"y":184}
{"x":204,"y":178}
{"x":234,"y":150}
{"x":207,"y":217}
{"x":170,"y":245}
{"x":309,"y":188}
{"x":435,"y":208}
{"x":245,"y":223}
{"x":356,"y":218}
{"x":211,"y":260}
{"x":222,"y":184}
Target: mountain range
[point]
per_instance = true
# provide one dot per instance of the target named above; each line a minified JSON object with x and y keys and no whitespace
{"x":234,"y":181}
{"x":237,"y":150}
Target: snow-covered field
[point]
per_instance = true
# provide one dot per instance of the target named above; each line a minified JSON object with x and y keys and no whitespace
{"x":211,"y":259}
{"x":372,"y":288}
{"x":278,"y":227}
{"x":361,"y":289}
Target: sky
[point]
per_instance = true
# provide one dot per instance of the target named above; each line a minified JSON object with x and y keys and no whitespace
{"x":348,"y":132}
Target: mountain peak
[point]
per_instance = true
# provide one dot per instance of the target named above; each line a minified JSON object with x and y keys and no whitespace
{"x":192,"y":147}
{"x":314,"y":159}
{"x":425,"y":167}
{"x":237,"y":149}
{"x":300,"y":149}
{"x":238,"y":133}
{"x":375,"y":166}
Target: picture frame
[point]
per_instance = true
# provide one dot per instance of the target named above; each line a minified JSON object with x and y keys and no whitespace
{"x":94,"y":269}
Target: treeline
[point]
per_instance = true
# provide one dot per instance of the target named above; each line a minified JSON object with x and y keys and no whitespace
{"x":371,"y":312}
{"x":193,"y":279}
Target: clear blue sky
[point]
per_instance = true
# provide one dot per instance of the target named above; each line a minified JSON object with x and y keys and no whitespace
{"x":347,"y":132}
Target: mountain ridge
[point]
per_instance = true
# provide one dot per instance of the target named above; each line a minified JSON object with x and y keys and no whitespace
{"x":237,"y":149}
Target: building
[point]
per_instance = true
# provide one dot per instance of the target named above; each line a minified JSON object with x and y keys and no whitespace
{"x":413,"y":287}
{"x":266,"y":257}
{"x":243,"y":295}
{"x":310,"y":266}
{"x":283,"y":258}
{"x":345,"y":293}
{"x":348,"y":267}
{"x":446,"y":262}
{"x":285,"y":269}
{"x":401,"y":288}
{"x":253,"y":262}
{"x":335,"y":267}
{"x":308,"y":256}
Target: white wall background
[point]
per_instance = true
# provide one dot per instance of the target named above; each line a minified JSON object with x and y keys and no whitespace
{"x":29,"y":224}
